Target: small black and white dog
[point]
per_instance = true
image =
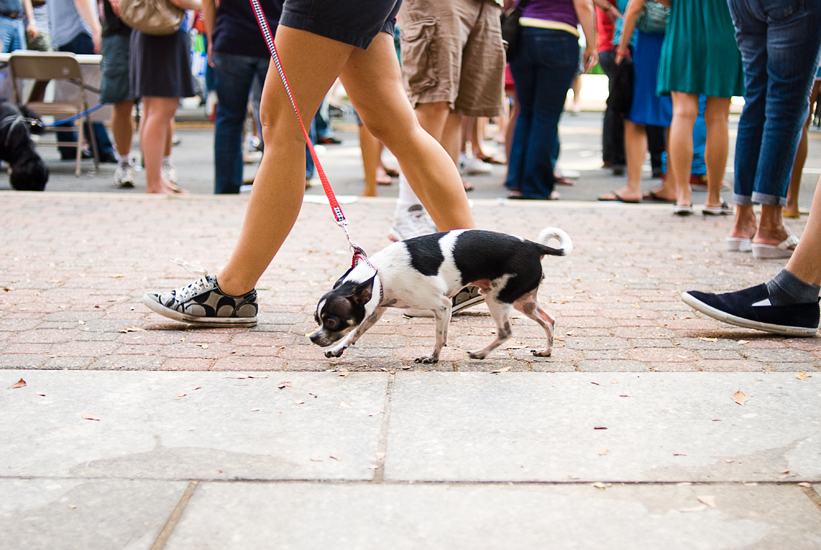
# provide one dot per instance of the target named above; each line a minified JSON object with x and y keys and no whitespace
{"x":17,"y":123}
{"x":426,"y":272}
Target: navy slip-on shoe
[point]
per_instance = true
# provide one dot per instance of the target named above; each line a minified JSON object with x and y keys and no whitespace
{"x":751,"y":308}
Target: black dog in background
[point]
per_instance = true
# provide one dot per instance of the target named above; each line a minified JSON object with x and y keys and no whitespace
{"x":17,"y":123}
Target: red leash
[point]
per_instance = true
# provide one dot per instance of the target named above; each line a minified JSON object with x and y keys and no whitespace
{"x":339,"y":216}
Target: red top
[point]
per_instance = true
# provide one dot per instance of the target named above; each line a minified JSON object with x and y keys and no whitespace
{"x":604,"y":29}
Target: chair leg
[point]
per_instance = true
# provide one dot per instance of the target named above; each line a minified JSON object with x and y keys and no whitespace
{"x":93,"y":139}
{"x":79,"y":150}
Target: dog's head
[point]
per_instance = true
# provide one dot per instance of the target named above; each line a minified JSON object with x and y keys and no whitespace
{"x":343,"y":309}
{"x":29,"y":175}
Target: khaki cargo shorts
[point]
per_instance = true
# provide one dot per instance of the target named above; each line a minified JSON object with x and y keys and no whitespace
{"x":452,"y":51}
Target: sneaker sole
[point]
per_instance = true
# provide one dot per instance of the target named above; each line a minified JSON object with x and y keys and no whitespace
{"x":457,"y":309}
{"x":205,"y":321}
{"x":742,"y":322}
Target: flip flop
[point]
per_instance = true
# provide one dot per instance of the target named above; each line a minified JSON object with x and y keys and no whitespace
{"x":467,"y":185}
{"x":491,"y":160}
{"x":683,"y":210}
{"x":615,"y":197}
{"x":652,"y":196}
{"x":723,"y":210}
{"x":392,"y":172}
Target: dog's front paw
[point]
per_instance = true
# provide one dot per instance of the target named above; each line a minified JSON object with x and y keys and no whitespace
{"x":427,"y":359}
{"x":541,"y":352}
{"x":335,"y":352}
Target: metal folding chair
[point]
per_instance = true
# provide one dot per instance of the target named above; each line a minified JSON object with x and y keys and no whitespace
{"x":45,"y":66}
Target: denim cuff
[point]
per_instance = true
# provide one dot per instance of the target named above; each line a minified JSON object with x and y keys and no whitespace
{"x":742,"y":200}
{"x":761,"y":198}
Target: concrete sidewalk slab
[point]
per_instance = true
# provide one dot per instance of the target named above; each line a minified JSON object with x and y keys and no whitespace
{"x":191,"y":425}
{"x":77,"y":514}
{"x":302,"y":515}
{"x":621,"y":427}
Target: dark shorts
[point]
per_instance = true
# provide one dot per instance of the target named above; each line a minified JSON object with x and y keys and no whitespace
{"x":354,"y":22}
{"x":115,"y":86}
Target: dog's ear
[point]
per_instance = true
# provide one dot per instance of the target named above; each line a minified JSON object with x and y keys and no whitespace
{"x":362,"y":293}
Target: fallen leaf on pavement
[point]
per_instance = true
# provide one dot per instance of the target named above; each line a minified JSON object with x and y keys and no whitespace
{"x":742,"y":342}
{"x":181,"y":394}
{"x":284,"y":385}
{"x":19,"y":384}
{"x":72,"y":506}
{"x":336,"y":457}
{"x":599,"y":427}
{"x":503,"y":369}
{"x":709,"y":500}
{"x":254,"y":410}
{"x":699,"y":508}
{"x":380,"y":455}
{"x":604,"y":451}
{"x":299,"y":402}
{"x":90,"y":417}
{"x":600,"y":485}
{"x":316,"y":460}
{"x":344,"y":373}
{"x":802,"y":375}
{"x":344,"y":405}
{"x":708,"y":339}
{"x":132,"y":328}
{"x":197,"y":388}
{"x":740,"y":398}
{"x":804,"y":484}
{"x":116,"y":276}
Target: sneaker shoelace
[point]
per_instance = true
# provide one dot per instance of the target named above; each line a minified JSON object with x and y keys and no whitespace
{"x":192,"y":289}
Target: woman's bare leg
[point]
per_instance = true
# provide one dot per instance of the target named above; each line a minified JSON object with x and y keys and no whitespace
{"x":805,"y":262}
{"x":370,"y":148}
{"x":153,"y":130}
{"x":373,"y":81}
{"x":716,"y":116}
{"x":312,"y":64}
{"x":680,"y":150}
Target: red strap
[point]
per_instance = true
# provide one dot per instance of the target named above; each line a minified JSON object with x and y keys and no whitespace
{"x":269,"y":40}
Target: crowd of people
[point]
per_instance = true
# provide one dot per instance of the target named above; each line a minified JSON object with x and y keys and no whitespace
{"x":682,"y":61}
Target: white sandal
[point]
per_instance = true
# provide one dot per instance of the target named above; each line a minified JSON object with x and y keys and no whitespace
{"x":771,"y":252}
{"x":739,"y":244}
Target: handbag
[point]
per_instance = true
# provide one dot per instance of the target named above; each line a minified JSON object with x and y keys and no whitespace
{"x":652,"y":17}
{"x":511,"y":29}
{"x":157,"y":17}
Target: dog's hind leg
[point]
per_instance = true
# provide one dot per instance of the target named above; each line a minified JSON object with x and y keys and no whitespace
{"x":501,"y":314}
{"x":442,"y":315}
{"x":528,"y":305}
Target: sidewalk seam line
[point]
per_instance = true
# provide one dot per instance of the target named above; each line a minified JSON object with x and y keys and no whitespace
{"x":174,"y":518}
{"x":382,"y":446}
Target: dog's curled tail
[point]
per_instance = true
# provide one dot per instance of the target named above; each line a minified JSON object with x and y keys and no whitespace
{"x":555,"y":233}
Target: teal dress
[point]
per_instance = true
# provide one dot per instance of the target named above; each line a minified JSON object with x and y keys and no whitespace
{"x":700,"y":54}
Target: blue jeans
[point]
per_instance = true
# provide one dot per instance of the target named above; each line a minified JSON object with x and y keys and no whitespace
{"x":543,"y":70}
{"x":12,"y":35}
{"x":234,"y":76}
{"x":82,"y":44}
{"x":779,"y":42}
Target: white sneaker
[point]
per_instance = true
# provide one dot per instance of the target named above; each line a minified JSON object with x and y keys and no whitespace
{"x":169,"y":173}
{"x":124,"y":176}
{"x":413,"y":223}
{"x":471,"y":166}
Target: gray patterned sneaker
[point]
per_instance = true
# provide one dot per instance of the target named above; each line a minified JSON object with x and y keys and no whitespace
{"x":203,"y":303}
{"x":124,"y":176}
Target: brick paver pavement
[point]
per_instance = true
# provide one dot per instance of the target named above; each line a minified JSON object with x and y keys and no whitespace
{"x":74,"y":267}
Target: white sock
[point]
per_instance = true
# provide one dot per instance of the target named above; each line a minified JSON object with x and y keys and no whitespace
{"x":407,"y":197}
{"x":124,"y":159}
{"x":166,"y":160}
